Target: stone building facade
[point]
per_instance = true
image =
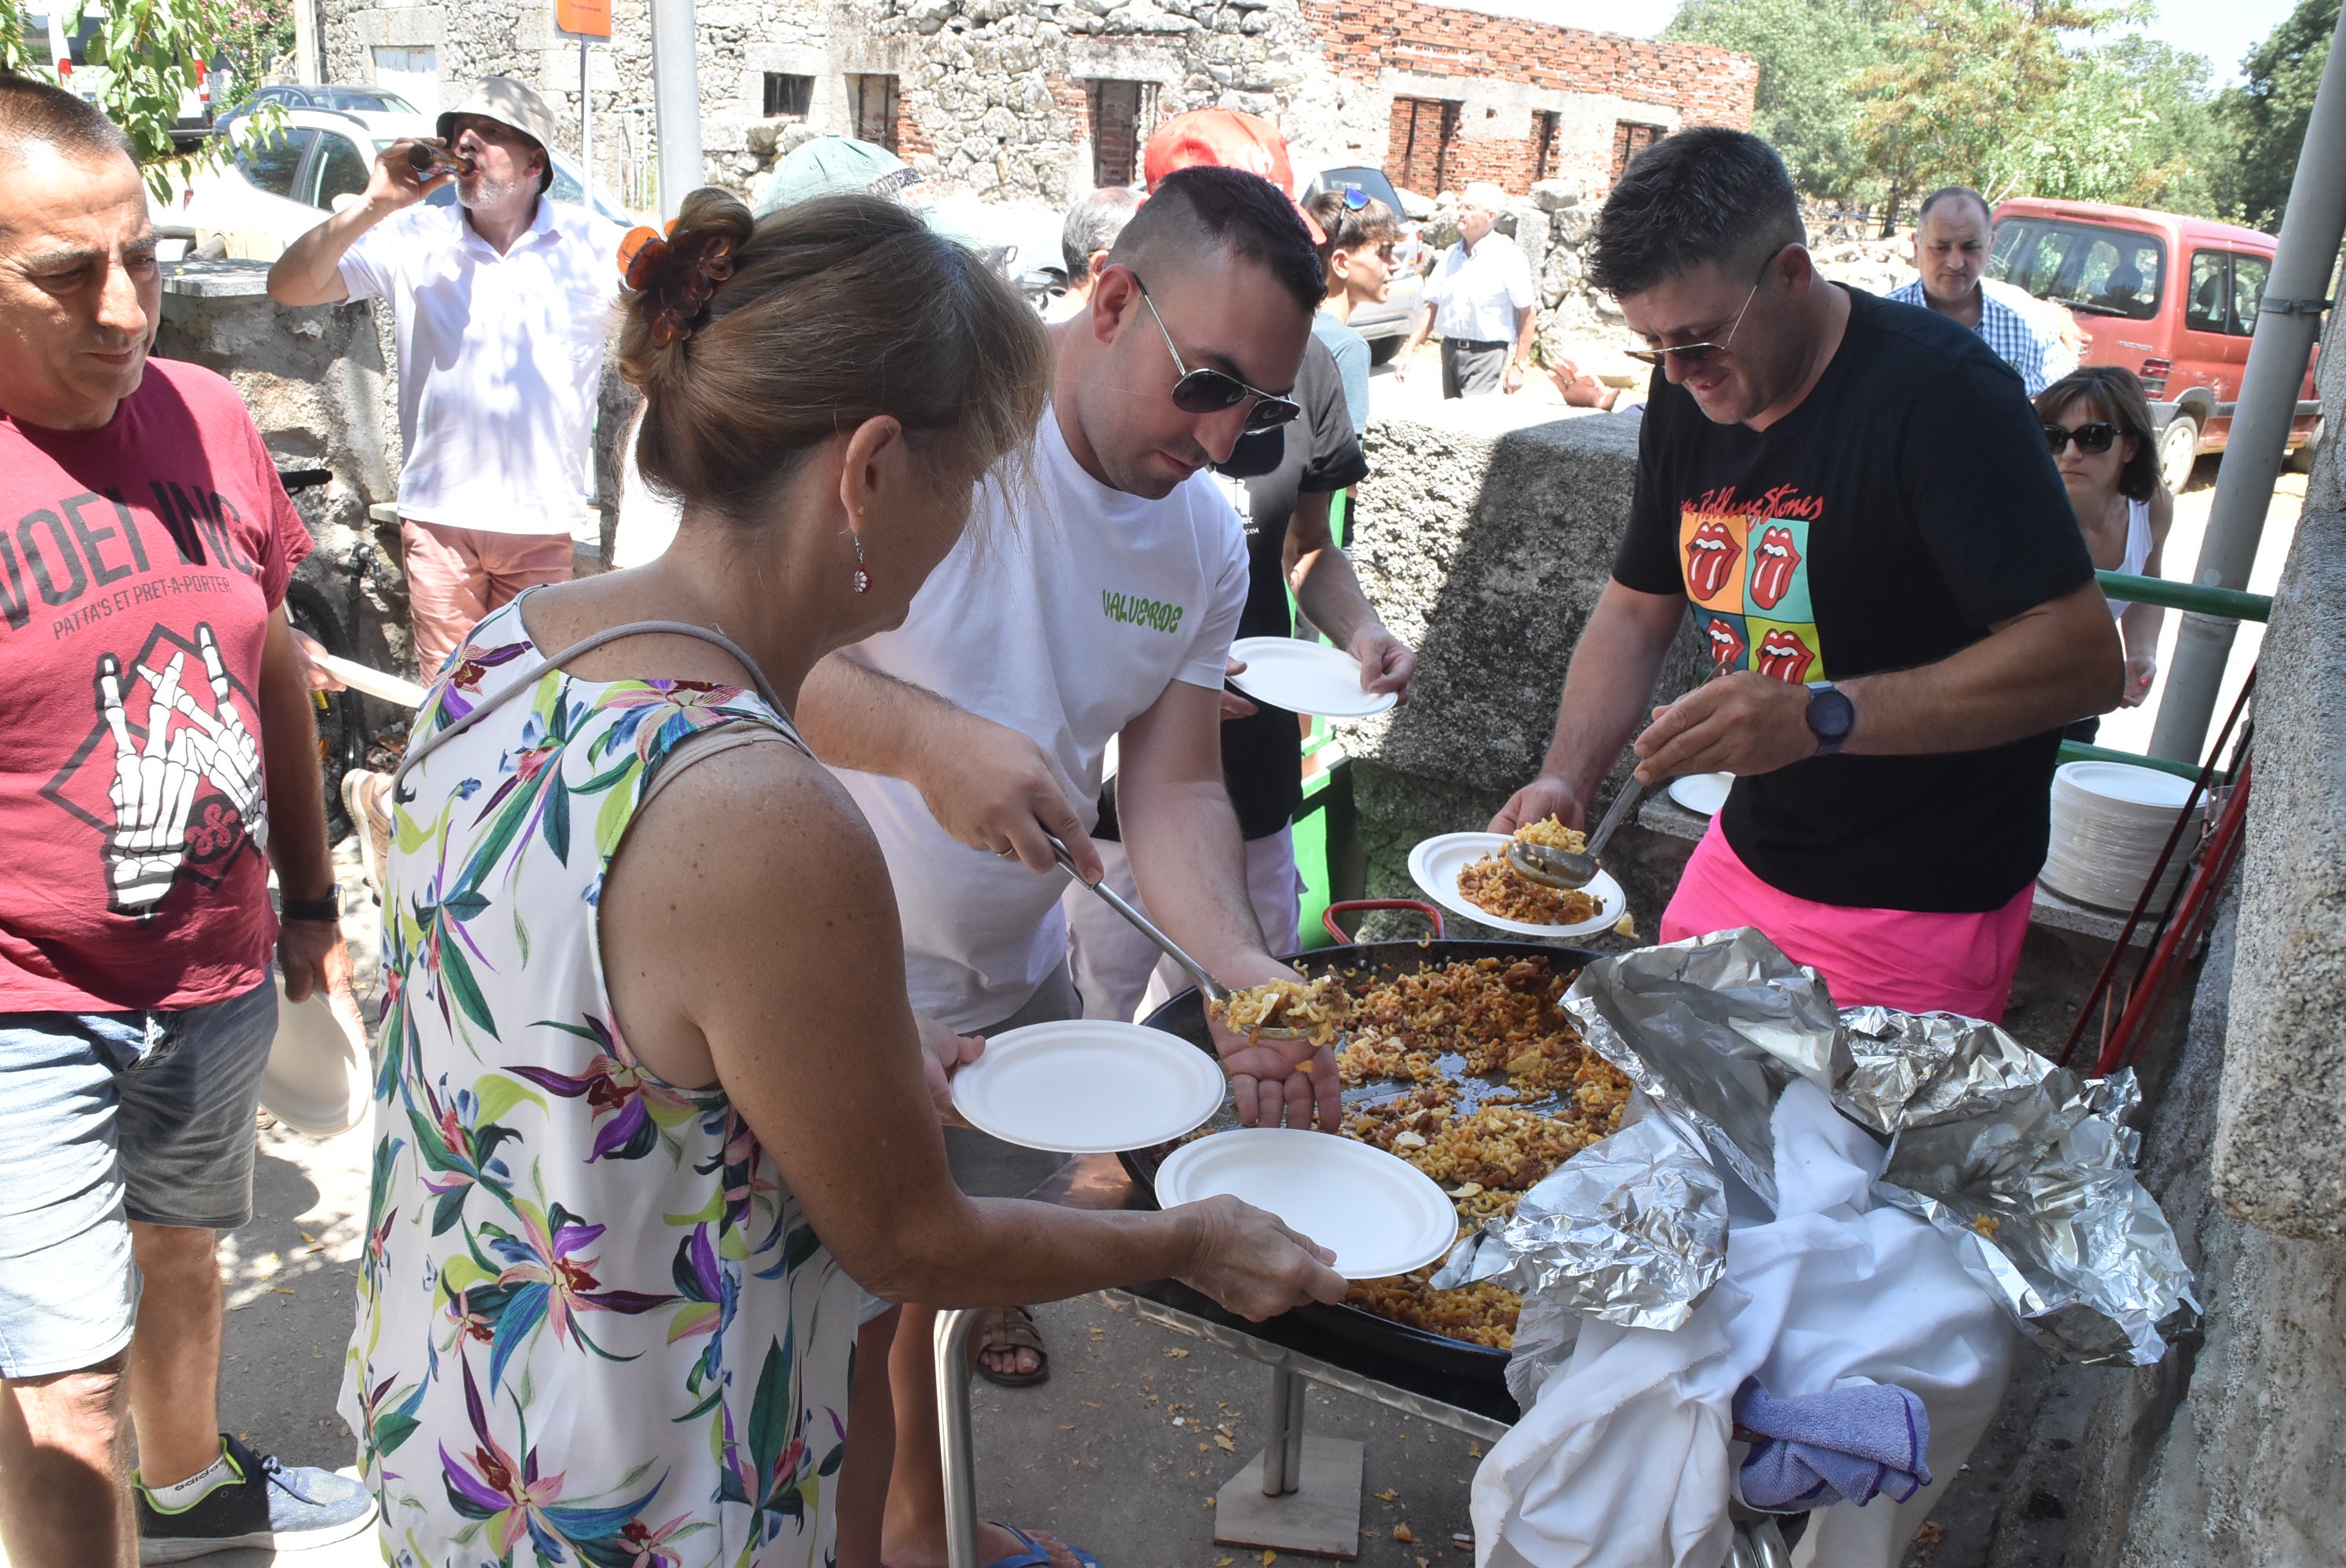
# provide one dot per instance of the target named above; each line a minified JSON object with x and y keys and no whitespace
{"x":1044,"y":99}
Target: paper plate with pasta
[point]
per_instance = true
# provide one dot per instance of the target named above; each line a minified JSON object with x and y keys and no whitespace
{"x":1468,"y":874}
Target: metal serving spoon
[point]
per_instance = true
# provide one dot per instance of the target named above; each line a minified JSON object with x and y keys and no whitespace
{"x":1216,"y":994}
{"x":1554,"y":868}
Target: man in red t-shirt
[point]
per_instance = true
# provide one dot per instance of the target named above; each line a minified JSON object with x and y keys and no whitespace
{"x":157,"y":757}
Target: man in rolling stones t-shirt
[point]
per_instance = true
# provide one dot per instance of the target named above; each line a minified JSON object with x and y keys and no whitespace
{"x":1851,"y":498}
{"x":157,"y":757}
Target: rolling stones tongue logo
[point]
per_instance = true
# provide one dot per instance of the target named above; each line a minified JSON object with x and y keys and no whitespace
{"x":1712,"y":556}
{"x":1726,"y":647}
{"x":1784,"y":657}
{"x":1772,"y":562}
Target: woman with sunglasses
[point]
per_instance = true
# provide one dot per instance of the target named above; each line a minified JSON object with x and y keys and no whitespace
{"x":2097,"y":421}
{"x":1358,"y":253}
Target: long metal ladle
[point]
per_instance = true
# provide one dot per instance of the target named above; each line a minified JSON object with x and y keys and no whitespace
{"x":1216,"y":994}
{"x":1554,"y":868}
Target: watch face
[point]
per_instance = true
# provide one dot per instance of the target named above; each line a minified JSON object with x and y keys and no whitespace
{"x":1830,"y":714}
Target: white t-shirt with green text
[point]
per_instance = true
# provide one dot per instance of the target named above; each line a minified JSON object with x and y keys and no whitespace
{"x":1065,"y":613}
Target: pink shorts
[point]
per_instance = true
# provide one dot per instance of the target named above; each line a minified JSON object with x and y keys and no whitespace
{"x":1911,"y":960}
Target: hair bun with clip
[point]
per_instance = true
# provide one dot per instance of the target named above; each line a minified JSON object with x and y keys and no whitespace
{"x":676,"y":274}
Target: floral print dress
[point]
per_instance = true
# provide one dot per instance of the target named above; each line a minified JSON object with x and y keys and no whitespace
{"x":594,"y":1326}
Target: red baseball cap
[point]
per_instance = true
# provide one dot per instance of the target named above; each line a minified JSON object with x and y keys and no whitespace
{"x":1225,"y":138}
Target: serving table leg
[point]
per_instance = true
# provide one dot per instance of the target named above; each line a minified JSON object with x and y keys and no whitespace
{"x":954,"y":1332}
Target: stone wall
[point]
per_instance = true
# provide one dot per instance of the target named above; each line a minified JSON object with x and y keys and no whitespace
{"x":1486,"y":548}
{"x":994,"y":95}
{"x":318,"y":384}
{"x":1501,"y":71}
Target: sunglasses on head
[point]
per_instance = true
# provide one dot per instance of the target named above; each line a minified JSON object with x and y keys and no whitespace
{"x":1355,"y":199}
{"x":1205,"y":390}
{"x":2096,"y":437}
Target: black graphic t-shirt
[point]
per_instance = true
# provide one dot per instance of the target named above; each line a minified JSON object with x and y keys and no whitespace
{"x":140,"y":563}
{"x":1319,"y":452}
{"x":1902,"y":509}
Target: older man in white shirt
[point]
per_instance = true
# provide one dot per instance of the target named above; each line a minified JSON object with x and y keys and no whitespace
{"x":1480,"y":302}
{"x":502,"y":302}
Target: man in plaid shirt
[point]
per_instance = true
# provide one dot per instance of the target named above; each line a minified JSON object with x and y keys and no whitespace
{"x":1951,"y":246}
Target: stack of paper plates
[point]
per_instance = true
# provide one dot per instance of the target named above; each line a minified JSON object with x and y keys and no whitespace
{"x":2110,"y":820}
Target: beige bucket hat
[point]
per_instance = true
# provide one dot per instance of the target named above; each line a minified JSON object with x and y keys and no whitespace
{"x":509,"y":102}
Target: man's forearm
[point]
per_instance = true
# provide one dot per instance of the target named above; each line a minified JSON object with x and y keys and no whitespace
{"x":309,"y":272}
{"x":1326,"y":589}
{"x":1609,"y":686}
{"x":2035,"y":672}
{"x":856,"y":718}
{"x":1525,"y":332}
{"x":1418,"y":333}
{"x":298,"y":846}
{"x":1189,"y":864}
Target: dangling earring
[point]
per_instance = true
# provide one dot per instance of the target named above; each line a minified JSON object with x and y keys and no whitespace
{"x":863,"y":578}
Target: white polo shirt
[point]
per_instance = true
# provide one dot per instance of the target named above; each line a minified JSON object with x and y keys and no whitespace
{"x":1063,"y":613}
{"x":1476,"y":293}
{"x":500,"y":358}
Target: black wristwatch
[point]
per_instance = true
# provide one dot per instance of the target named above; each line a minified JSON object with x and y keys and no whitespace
{"x":1830,"y":715}
{"x":328,"y":906}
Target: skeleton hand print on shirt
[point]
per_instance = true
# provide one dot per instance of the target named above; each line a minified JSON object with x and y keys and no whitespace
{"x":160,"y":779}
{"x":225,"y":747}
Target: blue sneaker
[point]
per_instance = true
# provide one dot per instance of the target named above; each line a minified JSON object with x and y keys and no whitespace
{"x":286,"y":1508}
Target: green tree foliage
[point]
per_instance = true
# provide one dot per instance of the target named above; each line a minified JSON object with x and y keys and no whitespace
{"x":148,"y":50}
{"x":2266,"y":114}
{"x":1875,"y":102}
{"x":2132,"y":124}
{"x":1810,"y":54}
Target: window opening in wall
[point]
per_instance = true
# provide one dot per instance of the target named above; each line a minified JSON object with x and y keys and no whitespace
{"x":1123,"y":114}
{"x":1544,"y":124}
{"x":412,"y":71}
{"x":1630,"y":139}
{"x":872,"y":101}
{"x":1418,"y":156}
{"x":788,"y":97}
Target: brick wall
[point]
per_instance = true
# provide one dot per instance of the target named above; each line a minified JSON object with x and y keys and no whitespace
{"x":1363,"y":39}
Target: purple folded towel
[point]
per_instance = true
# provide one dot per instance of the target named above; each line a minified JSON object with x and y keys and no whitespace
{"x":1846,"y":1444}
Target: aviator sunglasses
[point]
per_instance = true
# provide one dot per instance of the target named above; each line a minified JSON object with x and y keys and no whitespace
{"x":2096,"y":437}
{"x":1205,"y":390}
{"x":1703,"y":354}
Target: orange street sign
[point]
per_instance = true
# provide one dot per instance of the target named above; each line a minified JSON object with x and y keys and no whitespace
{"x":584,"y":18}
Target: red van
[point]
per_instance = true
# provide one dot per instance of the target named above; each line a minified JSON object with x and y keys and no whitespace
{"x":2172,"y":298}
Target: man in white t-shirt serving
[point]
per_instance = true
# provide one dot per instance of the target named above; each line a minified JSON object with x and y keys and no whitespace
{"x":1094,"y":601}
{"x":502,"y":302}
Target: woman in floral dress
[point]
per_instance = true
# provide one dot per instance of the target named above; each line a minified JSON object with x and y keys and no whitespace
{"x":650,"y":1101}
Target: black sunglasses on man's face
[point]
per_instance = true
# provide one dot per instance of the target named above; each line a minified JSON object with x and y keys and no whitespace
{"x":1206,"y":391}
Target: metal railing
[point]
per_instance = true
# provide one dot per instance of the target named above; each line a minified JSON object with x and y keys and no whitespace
{"x":2191,"y":599}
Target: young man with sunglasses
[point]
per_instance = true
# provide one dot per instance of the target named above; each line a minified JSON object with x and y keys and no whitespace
{"x":1856,"y":499}
{"x":1093,"y":599}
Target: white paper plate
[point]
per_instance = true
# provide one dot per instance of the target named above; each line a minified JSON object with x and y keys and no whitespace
{"x":1702,"y":793}
{"x":1088,"y":1087}
{"x":1435,"y":866}
{"x":1378,"y":1213}
{"x":1305,"y":677}
{"x":319,"y":1079}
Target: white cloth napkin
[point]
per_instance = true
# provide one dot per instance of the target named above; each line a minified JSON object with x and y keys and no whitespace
{"x":1624,"y":1459}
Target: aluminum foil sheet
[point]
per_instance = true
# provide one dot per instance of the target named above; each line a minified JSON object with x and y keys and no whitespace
{"x":2029,"y":1170}
{"x":2027,"y":1167}
{"x":1711,"y":1029}
{"x":1631,"y":1230}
